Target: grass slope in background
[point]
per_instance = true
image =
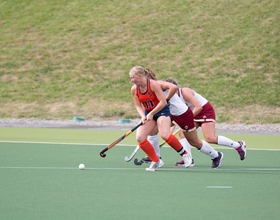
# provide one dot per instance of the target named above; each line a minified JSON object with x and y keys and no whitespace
{"x":63,"y":58}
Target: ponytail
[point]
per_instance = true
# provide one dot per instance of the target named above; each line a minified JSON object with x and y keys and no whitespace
{"x":150,"y":74}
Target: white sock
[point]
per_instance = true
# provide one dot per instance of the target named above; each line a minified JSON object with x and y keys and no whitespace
{"x":207,"y":149}
{"x":154,"y":140}
{"x":186,"y":145}
{"x":221,"y":140}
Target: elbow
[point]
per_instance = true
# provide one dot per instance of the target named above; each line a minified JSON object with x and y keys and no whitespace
{"x":175,"y":89}
{"x":197,"y":110}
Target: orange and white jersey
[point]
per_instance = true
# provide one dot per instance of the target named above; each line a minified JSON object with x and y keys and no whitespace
{"x":202,"y":101}
{"x":148,"y":99}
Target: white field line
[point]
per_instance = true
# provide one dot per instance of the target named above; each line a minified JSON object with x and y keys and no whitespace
{"x":27,"y":142}
{"x":166,"y":169}
{"x":219,"y":187}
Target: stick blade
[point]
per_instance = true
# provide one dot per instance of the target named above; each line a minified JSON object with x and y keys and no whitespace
{"x":126,"y":159}
{"x":102,"y":155}
{"x":137,"y":163}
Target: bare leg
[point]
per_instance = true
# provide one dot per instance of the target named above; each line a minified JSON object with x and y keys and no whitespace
{"x":193,"y":139}
{"x":208,"y":130}
{"x":202,"y":146}
{"x":164,"y":127}
{"x":144,"y":130}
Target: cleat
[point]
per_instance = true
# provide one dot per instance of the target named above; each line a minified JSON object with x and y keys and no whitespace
{"x":242,"y":150}
{"x":153,"y":166}
{"x":161,"y":163}
{"x":217,"y":161}
{"x":146,"y":160}
{"x":181,"y":163}
{"x":193,"y":164}
{"x":187,"y":160}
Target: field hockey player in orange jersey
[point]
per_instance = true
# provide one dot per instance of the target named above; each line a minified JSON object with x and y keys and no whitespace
{"x":183,"y":117}
{"x":151,"y":105}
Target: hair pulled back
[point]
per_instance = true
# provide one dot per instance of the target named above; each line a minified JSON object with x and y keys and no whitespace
{"x":172,"y":80}
{"x":148,"y":73}
{"x":137,"y":70}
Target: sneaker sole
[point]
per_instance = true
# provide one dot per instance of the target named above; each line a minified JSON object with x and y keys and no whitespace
{"x":147,"y":169}
{"x":179,"y":165}
{"x":188,"y":166}
{"x":182,"y":165}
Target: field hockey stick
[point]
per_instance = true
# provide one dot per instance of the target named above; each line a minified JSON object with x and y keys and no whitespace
{"x":136,"y":162}
{"x":119,"y":140}
{"x":127,"y":159}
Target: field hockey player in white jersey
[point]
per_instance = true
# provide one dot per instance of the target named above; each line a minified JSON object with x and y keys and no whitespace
{"x":204,"y":117}
{"x":183,"y":117}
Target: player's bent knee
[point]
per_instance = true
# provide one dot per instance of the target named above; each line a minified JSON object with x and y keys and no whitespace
{"x":140,"y":139}
{"x":164,"y":137}
{"x":195,"y":143}
{"x":211,"y":140}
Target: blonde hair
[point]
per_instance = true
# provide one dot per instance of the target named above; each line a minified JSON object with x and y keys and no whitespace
{"x":148,"y":73}
{"x":137,"y":70}
{"x":172,"y":80}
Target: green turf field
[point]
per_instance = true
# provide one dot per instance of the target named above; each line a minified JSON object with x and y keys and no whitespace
{"x":40,"y":179}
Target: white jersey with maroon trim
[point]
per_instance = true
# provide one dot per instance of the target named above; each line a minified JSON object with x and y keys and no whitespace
{"x":199,"y":98}
{"x":177,"y":107}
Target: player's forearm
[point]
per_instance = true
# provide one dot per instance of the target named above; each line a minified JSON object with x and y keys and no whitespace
{"x":171,"y":92}
{"x":140,"y":111}
{"x":196,"y":111}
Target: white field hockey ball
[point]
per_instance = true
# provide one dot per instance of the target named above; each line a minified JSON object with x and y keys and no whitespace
{"x":81,"y":166}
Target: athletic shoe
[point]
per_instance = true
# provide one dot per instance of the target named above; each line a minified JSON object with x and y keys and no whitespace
{"x":187,"y":160}
{"x":217,"y":161}
{"x":153,"y":166}
{"x":181,"y":163}
{"x":161,"y":163}
{"x":242,"y":150}
{"x":146,"y":160}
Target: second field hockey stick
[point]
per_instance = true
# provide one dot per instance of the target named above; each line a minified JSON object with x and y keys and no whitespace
{"x":127,"y":159}
{"x":136,"y":162}
{"x":119,"y":140}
